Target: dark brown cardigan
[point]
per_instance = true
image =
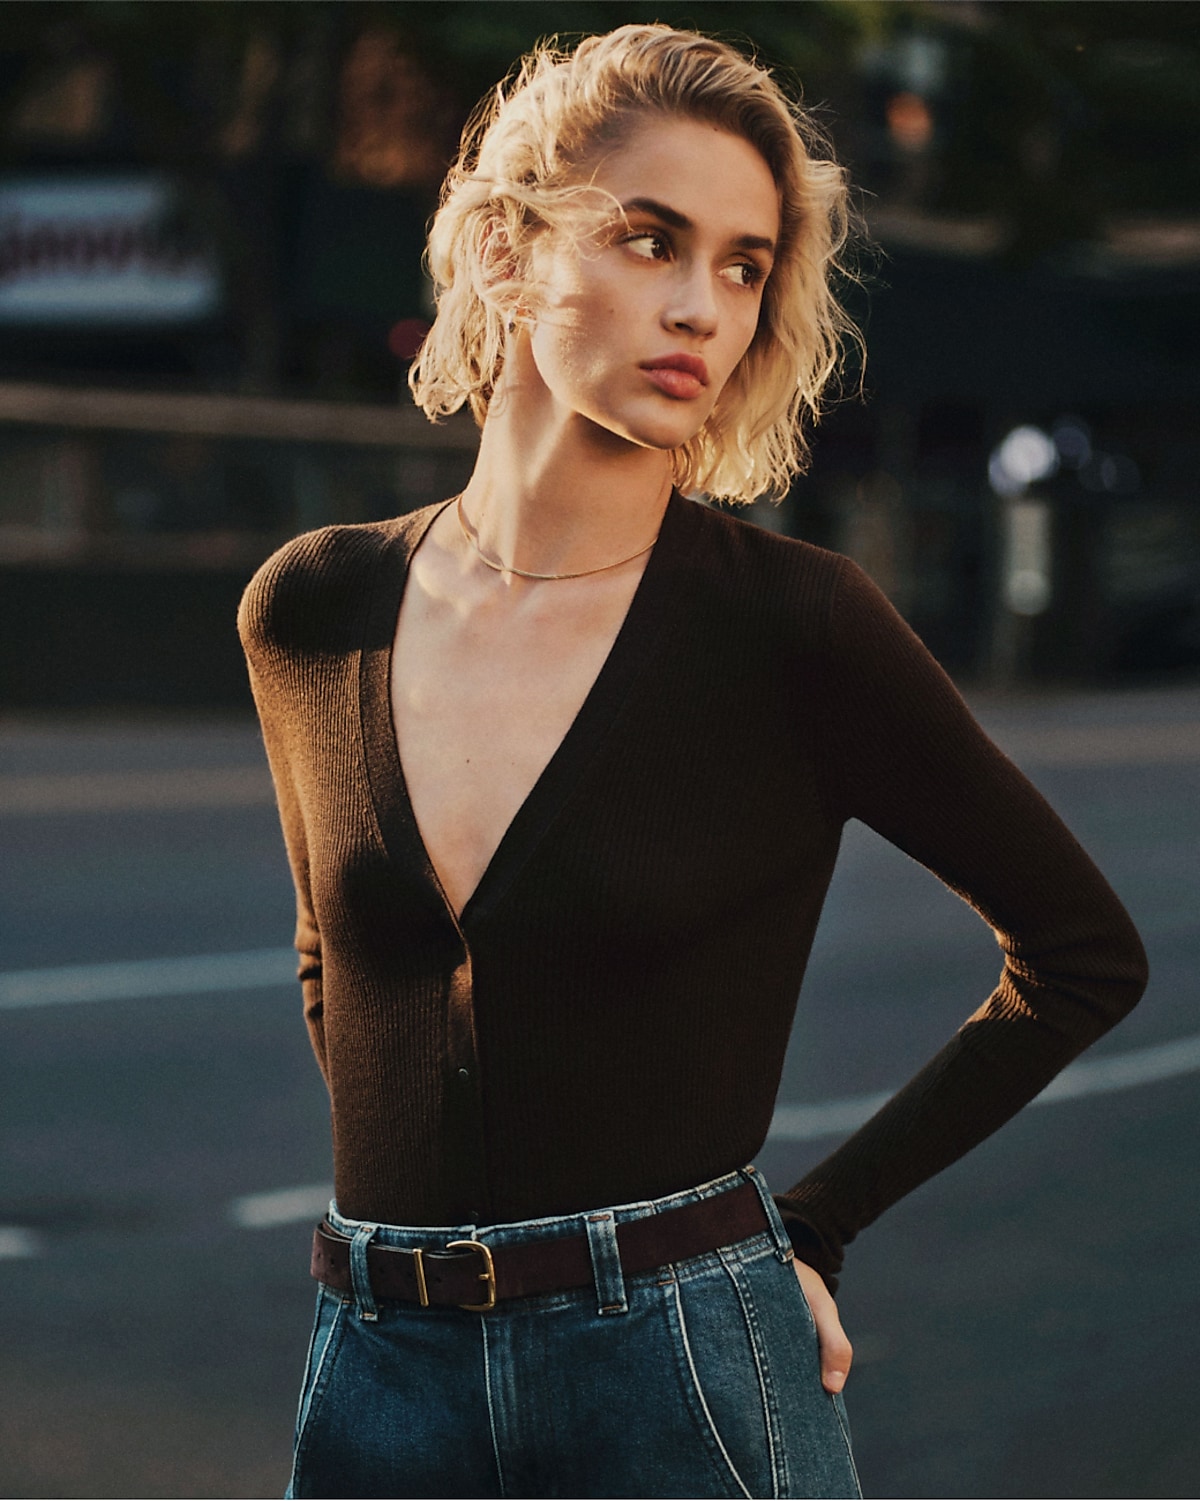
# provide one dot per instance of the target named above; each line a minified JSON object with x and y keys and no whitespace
{"x":607,"y":1021}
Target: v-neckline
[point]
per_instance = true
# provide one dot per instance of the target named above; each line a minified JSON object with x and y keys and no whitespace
{"x":631,"y":648}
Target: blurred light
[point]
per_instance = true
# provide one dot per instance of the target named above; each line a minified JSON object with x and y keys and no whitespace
{"x":1025,"y":456}
{"x":909,"y":121}
{"x":389,"y":112}
{"x":1110,"y":472}
{"x":1027,"y":557}
{"x":406,"y":337}
{"x":260,"y":72}
{"x":1073,"y":442}
{"x":921,"y":60}
{"x":1027,"y":592}
{"x":73,"y":104}
{"x":918,"y":61}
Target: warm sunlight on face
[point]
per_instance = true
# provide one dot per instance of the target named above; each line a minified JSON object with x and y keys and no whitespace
{"x":641,"y":328}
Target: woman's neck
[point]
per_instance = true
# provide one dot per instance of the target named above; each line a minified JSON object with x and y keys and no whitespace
{"x":554,"y":493}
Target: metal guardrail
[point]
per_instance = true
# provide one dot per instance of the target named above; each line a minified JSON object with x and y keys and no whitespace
{"x":219,"y":416}
{"x":94,"y":477}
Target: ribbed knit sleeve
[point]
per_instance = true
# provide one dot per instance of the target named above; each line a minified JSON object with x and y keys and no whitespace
{"x":263,"y":627}
{"x":901,"y":752}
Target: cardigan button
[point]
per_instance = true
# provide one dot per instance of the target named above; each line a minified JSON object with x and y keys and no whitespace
{"x":464,"y":1074}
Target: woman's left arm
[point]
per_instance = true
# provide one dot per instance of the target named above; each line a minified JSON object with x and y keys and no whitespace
{"x":903,"y":754}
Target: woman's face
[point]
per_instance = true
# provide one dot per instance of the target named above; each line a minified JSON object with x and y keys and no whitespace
{"x":641,"y":326}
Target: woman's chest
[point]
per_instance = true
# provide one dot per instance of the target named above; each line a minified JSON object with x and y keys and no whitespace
{"x":481,"y":702}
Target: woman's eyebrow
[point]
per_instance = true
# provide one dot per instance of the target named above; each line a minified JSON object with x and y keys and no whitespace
{"x":676,"y":220}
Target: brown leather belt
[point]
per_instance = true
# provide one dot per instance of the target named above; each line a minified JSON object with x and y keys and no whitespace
{"x":472,"y":1275}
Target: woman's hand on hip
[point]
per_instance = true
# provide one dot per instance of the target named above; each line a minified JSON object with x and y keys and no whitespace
{"x":836,"y":1353}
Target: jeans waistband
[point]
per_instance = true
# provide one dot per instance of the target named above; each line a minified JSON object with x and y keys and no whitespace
{"x":407,"y":1237}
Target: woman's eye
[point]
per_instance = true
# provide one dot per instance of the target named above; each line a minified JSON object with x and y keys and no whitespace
{"x":650,"y":247}
{"x":745,"y":273}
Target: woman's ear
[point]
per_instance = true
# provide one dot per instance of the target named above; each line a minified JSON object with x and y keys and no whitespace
{"x":506,"y":270}
{"x":499,"y":262}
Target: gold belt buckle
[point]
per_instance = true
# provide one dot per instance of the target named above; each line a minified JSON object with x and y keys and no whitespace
{"x":487,"y":1276}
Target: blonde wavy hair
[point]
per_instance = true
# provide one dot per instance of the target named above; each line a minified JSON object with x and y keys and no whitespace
{"x":522,"y":169}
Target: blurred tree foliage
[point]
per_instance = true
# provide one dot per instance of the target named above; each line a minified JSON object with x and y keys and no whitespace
{"x":1049,"y":119}
{"x":1049,"y":113}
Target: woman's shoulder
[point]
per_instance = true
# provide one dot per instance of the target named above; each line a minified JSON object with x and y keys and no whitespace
{"x":759,"y":541}
{"x":764,"y":568}
{"x":318,"y":580}
{"x":821,"y":605}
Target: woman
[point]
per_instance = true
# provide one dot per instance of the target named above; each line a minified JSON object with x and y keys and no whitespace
{"x":562,"y":765}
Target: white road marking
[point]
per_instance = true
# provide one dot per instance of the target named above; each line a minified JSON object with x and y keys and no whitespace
{"x":18,"y":1241}
{"x":1123,"y":1070}
{"x":1088,"y":1076}
{"x":162,"y":791}
{"x":282,"y":1206}
{"x":136,"y":979}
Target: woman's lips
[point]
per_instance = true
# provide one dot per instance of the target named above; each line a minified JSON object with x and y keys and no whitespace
{"x":683,"y":376}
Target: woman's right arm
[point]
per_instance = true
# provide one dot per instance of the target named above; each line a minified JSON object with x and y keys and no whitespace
{"x":254,"y":627}
{"x":308,"y":937}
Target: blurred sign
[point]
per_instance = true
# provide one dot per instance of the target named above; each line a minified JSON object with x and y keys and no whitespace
{"x":101,"y":250}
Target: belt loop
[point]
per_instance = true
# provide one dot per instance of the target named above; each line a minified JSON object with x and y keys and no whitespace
{"x":606,"y":1263}
{"x":783,"y":1243}
{"x":360,"y":1275}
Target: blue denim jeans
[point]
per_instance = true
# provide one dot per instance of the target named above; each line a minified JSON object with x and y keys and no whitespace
{"x":698,"y":1379}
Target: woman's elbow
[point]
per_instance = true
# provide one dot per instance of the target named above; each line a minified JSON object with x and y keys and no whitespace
{"x":1126,"y":971}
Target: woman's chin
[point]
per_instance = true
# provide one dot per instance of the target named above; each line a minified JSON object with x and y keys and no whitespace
{"x":662,"y":435}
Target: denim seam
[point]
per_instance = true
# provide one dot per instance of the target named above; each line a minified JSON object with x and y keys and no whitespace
{"x":766,"y":1385}
{"x":699,"y":1390}
{"x":757,"y":1248}
{"x":838,"y":1409}
{"x":804,"y":1303}
{"x":305,"y":1391}
{"x":317,"y":1388}
{"x":487,"y":1386}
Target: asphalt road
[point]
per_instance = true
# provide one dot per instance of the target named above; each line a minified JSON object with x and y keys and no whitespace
{"x":1025,"y":1323}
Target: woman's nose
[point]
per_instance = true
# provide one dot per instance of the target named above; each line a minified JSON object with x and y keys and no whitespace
{"x":693,"y":305}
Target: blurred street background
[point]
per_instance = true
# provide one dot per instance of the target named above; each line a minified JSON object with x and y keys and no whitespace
{"x":211,"y":222}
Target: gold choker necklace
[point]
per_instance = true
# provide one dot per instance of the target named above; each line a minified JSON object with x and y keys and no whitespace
{"x":523,"y":573}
